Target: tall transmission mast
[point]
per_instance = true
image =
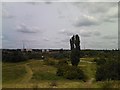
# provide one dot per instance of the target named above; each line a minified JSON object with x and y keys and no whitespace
{"x":84,"y":43}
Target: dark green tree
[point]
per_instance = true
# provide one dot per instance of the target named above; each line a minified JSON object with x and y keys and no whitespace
{"x":75,"y":50}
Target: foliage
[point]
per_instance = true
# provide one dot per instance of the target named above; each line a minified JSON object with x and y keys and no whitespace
{"x":14,"y":56}
{"x":50,"y":62}
{"x":108,"y":84}
{"x":61,"y":70}
{"x":62,"y":63}
{"x":100,"y":61}
{"x":60,"y":55}
{"x":74,"y":73}
{"x":108,"y":68}
{"x":18,"y":56}
{"x":34,"y":55}
{"x":70,"y":72}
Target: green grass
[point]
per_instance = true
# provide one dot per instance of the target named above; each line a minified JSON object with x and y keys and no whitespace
{"x":87,"y":59}
{"x":12,"y":72}
{"x":89,"y":69}
{"x":45,"y":75}
{"x":41,"y":71}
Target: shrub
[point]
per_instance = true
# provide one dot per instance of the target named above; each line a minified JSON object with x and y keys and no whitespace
{"x":61,"y":70}
{"x":50,"y":62}
{"x":100,"y":61}
{"x":107,"y":84}
{"x":74,"y":73}
{"x":14,"y":56}
{"x":70,"y":72}
{"x":60,"y":55}
{"x":109,"y":70}
{"x":62,"y":63}
{"x":34,"y":55}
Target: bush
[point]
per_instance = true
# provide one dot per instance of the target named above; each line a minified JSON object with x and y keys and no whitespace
{"x":14,"y":56}
{"x":70,"y":72}
{"x":74,"y":73}
{"x":100,"y":61}
{"x":50,"y":62}
{"x":61,"y":70}
{"x":62,"y":63}
{"x":34,"y":55}
{"x":110,"y":70}
{"x":60,"y":55}
{"x":107,"y":84}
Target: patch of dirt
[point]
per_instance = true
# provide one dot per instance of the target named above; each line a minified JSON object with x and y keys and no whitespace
{"x":28,"y":75}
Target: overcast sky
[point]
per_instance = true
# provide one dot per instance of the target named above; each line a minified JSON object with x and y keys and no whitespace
{"x":51,"y":24}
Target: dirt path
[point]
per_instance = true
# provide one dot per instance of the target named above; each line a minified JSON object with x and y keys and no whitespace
{"x":88,"y":84}
{"x":89,"y":70}
{"x":86,"y":61}
{"x":28,"y":75}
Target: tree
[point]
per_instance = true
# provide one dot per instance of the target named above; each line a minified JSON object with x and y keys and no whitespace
{"x":75,"y":50}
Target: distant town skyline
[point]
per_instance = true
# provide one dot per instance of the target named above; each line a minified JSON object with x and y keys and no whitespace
{"x":49,"y":25}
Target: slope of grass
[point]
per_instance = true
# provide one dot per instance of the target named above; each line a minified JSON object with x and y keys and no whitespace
{"x":44,"y":76}
{"x":12,"y":72}
{"x":87,"y":59}
{"x":42,"y":71}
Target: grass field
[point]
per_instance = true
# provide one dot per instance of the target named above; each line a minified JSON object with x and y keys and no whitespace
{"x":36,"y":74}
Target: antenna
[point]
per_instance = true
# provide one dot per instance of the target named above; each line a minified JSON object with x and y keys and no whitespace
{"x":84,"y":43}
{"x":23,"y":45}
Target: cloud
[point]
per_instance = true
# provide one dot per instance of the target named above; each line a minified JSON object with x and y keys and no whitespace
{"x":96,"y":33}
{"x":65,"y":40}
{"x":32,"y":3}
{"x":89,"y":33}
{"x":99,"y":11}
{"x":85,"y":33}
{"x":113,"y":12}
{"x":86,"y":20}
{"x":48,"y":2}
{"x":67,"y":32}
{"x":6,"y":14}
{"x":27,"y":29}
{"x":46,"y":39}
{"x":82,"y":32}
{"x":110,"y":37}
{"x":111,"y":15}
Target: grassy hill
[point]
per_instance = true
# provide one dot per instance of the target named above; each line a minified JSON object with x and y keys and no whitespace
{"x":37,"y":74}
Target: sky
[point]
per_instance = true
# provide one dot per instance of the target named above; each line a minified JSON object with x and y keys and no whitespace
{"x":50,"y":25}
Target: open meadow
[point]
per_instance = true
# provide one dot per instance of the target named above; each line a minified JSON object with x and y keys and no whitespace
{"x":38,"y":74}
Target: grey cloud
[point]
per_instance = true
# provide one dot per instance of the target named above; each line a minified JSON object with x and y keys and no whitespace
{"x":65,"y":40}
{"x":87,"y":34}
{"x":27,"y":29}
{"x":33,"y":3}
{"x":110,"y":37}
{"x":103,"y":11}
{"x":67,"y":32}
{"x":96,"y":33}
{"x":111,"y":15}
{"x":84,"y":33}
{"x":46,"y":39}
{"x":48,"y":2}
{"x":37,"y":3}
{"x":6,"y":14}
{"x":109,"y":20}
{"x":86,"y":21}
